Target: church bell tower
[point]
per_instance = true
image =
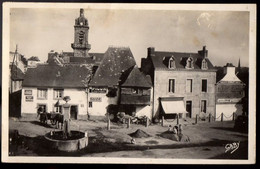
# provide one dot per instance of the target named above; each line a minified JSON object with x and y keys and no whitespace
{"x":81,"y":45}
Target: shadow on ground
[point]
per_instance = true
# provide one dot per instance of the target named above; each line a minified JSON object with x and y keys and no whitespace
{"x":232,"y":129}
{"x":41,"y":124}
{"x":38,"y":145}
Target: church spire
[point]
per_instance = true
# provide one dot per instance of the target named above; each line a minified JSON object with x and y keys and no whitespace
{"x":238,"y":64}
{"x":81,"y":11}
{"x":81,"y":28}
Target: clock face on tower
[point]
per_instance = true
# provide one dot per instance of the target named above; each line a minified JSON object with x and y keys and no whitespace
{"x":81,"y":23}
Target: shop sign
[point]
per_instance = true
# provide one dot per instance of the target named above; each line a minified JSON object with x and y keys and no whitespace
{"x":98,"y":90}
{"x":28,"y":92}
{"x":95,"y":99}
{"x":29,"y":98}
{"x":228,"y":100}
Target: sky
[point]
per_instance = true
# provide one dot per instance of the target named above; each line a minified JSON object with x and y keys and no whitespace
{"x":37,"y":31}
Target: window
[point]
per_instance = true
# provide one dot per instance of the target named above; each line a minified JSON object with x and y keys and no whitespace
{"x":134,"y":91}
{"x":42,"y":93}
{"x":204,"y":64}
{"x":146,"y":92}
{"x":203,"y":106}
{"x":137,"y":91}
{"x":172,"y":85}
{"x":204,"y":85}
{"x":171,"y":63}
{"x":58,"y":93}
{"x":89,"y":104}
{"x":58,"y":109}
{"x":189,"y":63}
{"x":189,"y":85}
{"x":140,"y":91}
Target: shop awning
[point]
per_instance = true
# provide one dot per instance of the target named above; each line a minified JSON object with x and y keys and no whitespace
{"x":173,"y":105}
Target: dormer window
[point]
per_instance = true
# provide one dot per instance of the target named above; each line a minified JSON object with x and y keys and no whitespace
{"x":171,"y":64}
{"x":204,"y":64}
{"x":189,"y":63}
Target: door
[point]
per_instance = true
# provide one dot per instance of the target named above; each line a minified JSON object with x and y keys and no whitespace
{"x":74,"y":112}
{"x":43,"y":106}
{"x":189,"y":108}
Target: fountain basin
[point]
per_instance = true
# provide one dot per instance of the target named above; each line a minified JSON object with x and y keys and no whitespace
{"x":75,"y":142}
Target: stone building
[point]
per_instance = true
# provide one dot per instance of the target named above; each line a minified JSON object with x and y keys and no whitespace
{"x":184,"y":83}
{"x":104,"y":86}
{"x":230,"y":91}
{"x":135,"y":93}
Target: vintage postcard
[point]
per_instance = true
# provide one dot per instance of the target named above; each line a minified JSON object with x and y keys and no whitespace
{"x":129,"y":83}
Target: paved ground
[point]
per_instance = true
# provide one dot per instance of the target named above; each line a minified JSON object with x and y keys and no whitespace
{"x":207,"y":140}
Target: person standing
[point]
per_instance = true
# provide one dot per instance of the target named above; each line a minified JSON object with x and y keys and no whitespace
{"x":66,"y":117}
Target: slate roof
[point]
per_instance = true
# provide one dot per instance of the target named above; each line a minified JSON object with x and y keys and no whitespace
{"x":70,"y":54}
{"x":70,"y":76}
{"x":135,"y":78}
{"x":16,"y":73}
{"x":34,"y":58}
{"x":116,"y":60}
{"x":23,"y":59}
{"x":160,"y":60}
{"x":81,"y":60}
{"x":98,"y":56}
{"x":95,"y":58}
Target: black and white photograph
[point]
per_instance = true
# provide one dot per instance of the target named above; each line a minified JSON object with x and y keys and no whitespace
{"x":129,"y":83}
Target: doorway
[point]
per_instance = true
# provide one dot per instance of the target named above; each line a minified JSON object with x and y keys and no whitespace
{"x":43,"y":106}
{"x":189,"y":108}
{"x":74,"y":112}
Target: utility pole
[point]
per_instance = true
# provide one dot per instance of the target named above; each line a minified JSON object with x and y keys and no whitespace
{"x":12,"y":67}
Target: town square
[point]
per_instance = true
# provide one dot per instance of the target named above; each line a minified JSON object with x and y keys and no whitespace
{"x":129,"y":83}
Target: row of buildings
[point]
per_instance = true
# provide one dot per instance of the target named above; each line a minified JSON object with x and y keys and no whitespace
{"x":168,"y":83}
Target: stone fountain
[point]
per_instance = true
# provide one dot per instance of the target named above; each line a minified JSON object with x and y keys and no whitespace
{"x":66,"y":139}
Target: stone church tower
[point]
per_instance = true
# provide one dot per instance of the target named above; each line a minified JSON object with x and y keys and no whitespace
{"x":81,"y":45}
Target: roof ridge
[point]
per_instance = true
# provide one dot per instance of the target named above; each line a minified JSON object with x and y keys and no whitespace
{"x":177,"y":52}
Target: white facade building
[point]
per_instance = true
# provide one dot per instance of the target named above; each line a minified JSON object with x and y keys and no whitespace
{"x":229,"y":94}
{"x":46,"y":85}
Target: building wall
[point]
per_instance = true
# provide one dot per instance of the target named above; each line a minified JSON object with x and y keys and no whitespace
{"x":144,"y":111}
{"x":228,"y":99}
{"x":161,"y":85}
{"x":228,"y":110}
{"x":230,"y":90}
{"x":78,"y":97}
{"x":100,"y":102}
{"x":80,"y":50}
{"x":77,"y":30}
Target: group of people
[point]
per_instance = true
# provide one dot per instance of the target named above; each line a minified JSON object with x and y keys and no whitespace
{"x":177,"y":129}
{"x":177,"y":133}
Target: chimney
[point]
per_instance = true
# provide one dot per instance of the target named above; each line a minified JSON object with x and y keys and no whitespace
{"x":150,"y":51}
{"x":229,"y":69}
{"x":230,"y":75}
{"x":203,"y":52}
